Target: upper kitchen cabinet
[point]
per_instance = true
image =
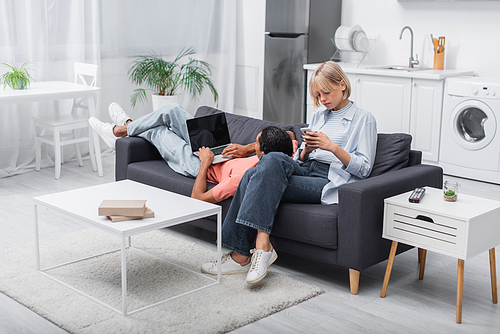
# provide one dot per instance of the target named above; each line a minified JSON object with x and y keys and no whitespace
{"x":401,"y":101}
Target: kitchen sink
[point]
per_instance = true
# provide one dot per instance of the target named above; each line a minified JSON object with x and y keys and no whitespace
{"x":400,"y":68}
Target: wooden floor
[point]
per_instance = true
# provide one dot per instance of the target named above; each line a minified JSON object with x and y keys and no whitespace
{"x":411,"y":305}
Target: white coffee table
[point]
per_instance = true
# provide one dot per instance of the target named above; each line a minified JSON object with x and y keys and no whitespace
{"x":462,"y":229}
{"x":170,"y":209}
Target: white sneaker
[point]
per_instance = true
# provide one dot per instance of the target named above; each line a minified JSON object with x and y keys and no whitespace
{"x":104,"y":130}
{"x":228,"y":266}
{"x":260,"y":262}
{"x":118,"y":116}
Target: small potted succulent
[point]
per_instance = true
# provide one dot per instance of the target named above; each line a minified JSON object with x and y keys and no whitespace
{"x":18,"y":77}
{"x":450,"y":196}
{"x":450,"y":190}
{"x":165,"y":78}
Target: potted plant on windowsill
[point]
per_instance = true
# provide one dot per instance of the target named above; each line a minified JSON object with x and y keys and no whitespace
{"x":17,"y":77}
{"x":165,"y":78}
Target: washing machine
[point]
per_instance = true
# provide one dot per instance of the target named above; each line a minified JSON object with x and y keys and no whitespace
{"x":470,"y":129}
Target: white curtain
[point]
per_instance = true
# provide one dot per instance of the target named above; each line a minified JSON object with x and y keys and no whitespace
{"x":53,"y":34}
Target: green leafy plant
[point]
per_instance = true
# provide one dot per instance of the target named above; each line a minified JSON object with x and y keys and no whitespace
{"x":17,"y":77}
{"x":167,"y":77}
{"x":449,"y":193}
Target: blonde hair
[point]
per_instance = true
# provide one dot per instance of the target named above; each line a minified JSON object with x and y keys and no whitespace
{"x":324,"y":76}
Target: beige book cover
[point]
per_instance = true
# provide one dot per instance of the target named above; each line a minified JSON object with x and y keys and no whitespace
{"x":122,"y":207}
{"x":148,"y":214}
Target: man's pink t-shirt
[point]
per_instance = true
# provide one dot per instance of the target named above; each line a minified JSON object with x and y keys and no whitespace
{"x":228,"y":174}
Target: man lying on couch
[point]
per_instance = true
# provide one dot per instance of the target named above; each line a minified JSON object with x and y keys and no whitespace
{"x":166,"y":129}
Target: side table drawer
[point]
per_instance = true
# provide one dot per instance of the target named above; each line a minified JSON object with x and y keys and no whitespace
{"x":430,"y":230}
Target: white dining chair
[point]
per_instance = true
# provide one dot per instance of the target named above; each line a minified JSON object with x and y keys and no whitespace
{"x":70,"y":128}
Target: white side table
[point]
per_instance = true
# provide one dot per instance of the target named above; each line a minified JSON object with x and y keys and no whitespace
{"x":461,"y":229}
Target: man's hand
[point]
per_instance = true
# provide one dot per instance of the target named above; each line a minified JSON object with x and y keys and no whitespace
{"x":238,"y":151}
{"x":206,"y":155}
{"x":200,"y":184}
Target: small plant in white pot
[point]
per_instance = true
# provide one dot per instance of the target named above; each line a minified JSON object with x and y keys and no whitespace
{"x":18,"y":77}
{"x":165,"y":78}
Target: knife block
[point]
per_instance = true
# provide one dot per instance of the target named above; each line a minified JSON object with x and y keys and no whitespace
{"x":439,"y":61}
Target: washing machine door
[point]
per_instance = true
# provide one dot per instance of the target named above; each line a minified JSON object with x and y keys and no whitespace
{"x":473,"y":125}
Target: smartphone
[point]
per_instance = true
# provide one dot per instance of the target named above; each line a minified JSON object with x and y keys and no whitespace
{"x":304,"y":130}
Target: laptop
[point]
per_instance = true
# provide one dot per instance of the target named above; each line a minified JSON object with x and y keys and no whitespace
{"x":209,"y":131}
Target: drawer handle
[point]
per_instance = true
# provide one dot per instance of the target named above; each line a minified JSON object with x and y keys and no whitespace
{"x":425,"y":218}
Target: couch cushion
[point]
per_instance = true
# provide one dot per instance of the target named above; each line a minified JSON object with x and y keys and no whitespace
{"x":314,"y":224}
{"x":243,"y":130}
{"x":393,"y":152}
{"x":158,"y":174}
{"x":297,"y":132}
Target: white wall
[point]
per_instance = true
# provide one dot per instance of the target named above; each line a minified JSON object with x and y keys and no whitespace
{"x":471,"y":28}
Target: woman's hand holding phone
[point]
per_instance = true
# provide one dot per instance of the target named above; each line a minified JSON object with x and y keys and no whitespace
{"x":316,"y":140}
{"x":307,"y":135}
{"x":306,"y":129}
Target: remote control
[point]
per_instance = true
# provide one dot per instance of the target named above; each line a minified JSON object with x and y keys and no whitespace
{"x":416,"y":195}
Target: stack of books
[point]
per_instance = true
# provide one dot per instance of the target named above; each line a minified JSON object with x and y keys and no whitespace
{"x":125,"y":209}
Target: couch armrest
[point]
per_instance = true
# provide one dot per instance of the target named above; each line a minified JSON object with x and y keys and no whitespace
{"x":415,"y":158}
{"x":132,"y":149}
{"x":361,"y":211}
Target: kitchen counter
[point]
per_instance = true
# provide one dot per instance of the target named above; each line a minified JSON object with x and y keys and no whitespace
{"x":371,"y":70}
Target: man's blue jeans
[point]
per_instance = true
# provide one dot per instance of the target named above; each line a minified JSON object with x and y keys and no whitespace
{"x":166,"y":129}
{"x":276,"y":178}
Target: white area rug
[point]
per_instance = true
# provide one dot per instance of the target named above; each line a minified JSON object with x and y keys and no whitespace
{"x":217,"y":309}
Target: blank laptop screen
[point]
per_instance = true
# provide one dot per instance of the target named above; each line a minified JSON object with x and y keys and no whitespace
{"x":209,"y":131}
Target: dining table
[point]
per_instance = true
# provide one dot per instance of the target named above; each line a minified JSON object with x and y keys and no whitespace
{"x":56,"y":91}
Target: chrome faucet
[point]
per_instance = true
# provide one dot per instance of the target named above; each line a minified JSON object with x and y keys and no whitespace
{"x":412,"y":60}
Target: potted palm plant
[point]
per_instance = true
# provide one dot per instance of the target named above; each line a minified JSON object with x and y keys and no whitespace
{"x":166,"y":78}
{"x":18,"y":77}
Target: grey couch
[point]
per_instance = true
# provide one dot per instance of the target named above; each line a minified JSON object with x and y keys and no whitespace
{"x":348,"y":234}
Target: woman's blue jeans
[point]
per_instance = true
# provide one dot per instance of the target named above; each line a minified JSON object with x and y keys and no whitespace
{"x":276,"y":178}
{"x":166,"y":129}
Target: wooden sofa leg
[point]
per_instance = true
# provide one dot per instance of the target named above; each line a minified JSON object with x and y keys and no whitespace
{"x":354,"y":280}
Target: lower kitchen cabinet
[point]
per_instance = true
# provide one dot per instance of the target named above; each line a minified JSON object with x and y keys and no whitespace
{"x":425,"y":117}
{"x":408,"y":105}
{"x":387,"y":98}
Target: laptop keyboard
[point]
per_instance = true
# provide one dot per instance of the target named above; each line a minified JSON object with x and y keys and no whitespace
{"x":218,"y":150}
{"x":215,"y":150}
